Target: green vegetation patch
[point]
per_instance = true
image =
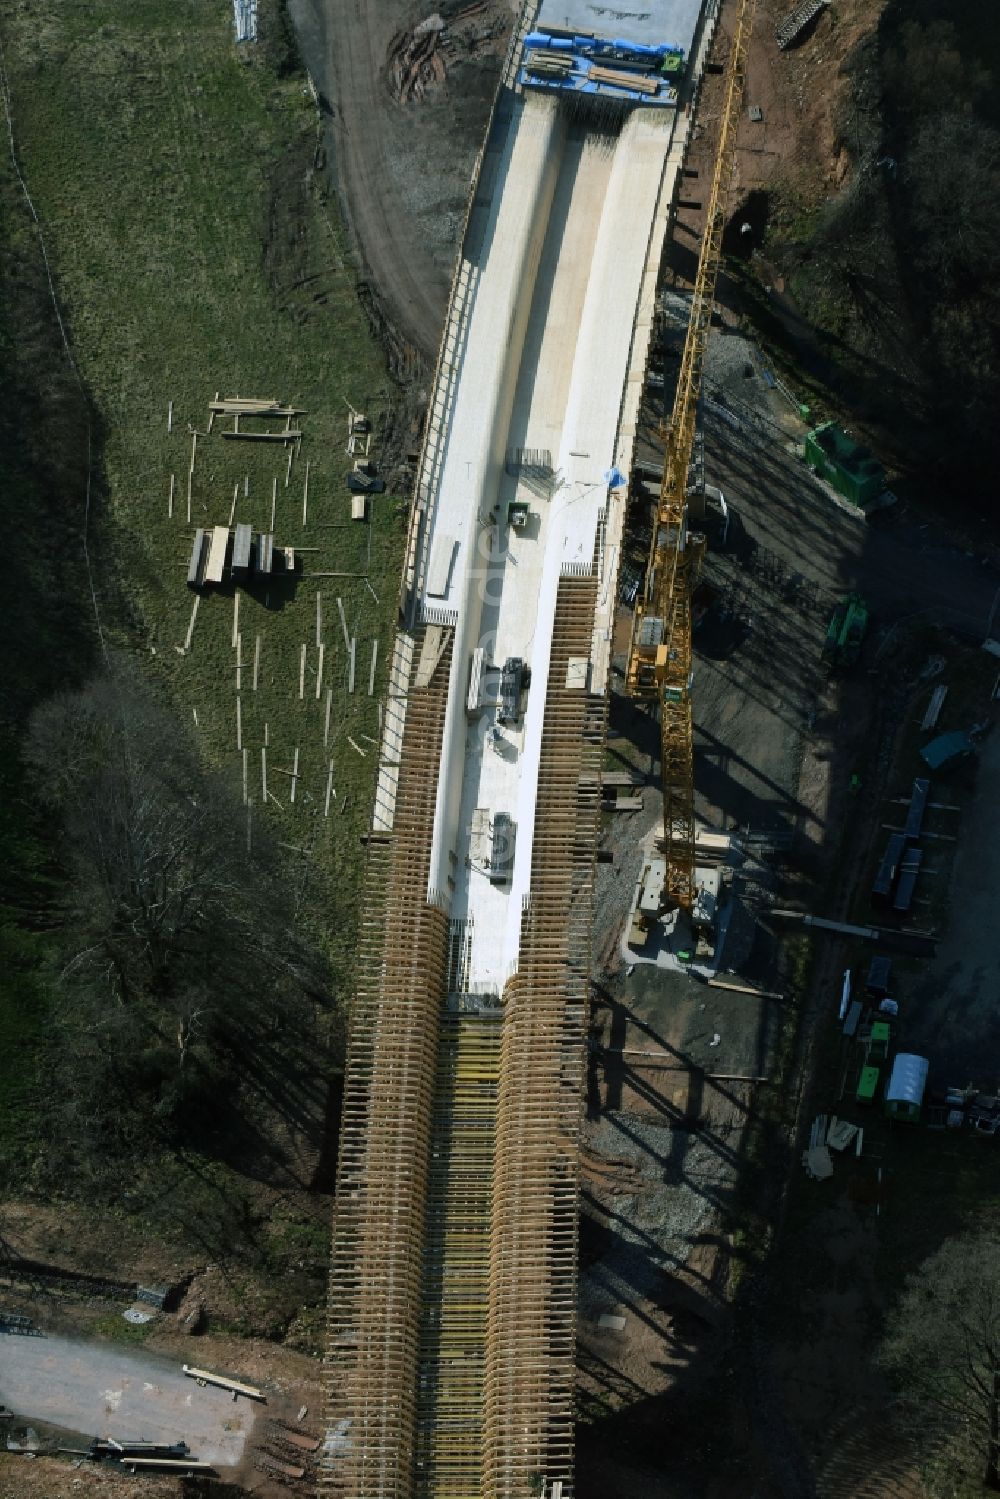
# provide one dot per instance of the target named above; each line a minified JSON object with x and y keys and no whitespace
{"x":176,"y":176}
{"x":178,"y":181}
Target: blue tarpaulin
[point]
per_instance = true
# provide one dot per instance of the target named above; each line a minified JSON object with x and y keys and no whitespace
{"x":947,"y":748}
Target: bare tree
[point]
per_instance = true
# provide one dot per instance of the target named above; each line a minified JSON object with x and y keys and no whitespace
{"x":943,"y":1347}
{"x":181,"y":962}
{"x":952,"y":174}
{"x":926,"y":64}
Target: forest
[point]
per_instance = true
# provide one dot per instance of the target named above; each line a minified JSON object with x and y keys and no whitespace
{"x":896,"y":272}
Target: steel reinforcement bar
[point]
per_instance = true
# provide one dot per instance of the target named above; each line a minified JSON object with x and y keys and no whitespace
{"x":373,"y":1324}
{"x":530,"y":1352}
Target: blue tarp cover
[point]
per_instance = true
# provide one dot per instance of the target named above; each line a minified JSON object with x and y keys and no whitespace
{"x":946,"y":747}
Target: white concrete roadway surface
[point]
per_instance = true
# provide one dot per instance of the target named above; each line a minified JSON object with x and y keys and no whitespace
{"x":103,"y":1391}
{"x":543,"y":369}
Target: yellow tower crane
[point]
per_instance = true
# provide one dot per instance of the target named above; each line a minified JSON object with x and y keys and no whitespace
{"x":659,"y":661}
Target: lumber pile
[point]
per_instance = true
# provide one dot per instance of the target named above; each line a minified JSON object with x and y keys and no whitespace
{"x":250,"y":406}
{"x":631,"y":81}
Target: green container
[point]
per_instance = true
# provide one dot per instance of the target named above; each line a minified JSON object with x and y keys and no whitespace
{"x":867,"y":1085}
{"x":878,"y":1047}
{"x":844,"y":463}
{"x":846,"y":631}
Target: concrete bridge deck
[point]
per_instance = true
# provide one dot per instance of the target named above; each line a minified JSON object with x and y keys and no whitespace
{"x":452,"y":1317}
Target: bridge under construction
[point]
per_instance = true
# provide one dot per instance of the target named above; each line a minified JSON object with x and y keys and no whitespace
{"x":452,"y":1317}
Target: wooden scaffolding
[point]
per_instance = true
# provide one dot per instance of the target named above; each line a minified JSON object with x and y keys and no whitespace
{"x":452,"y":1320}
{"x":373,"y":1325}
{"x":455,"y":1299}
{"x":530,"y":1355}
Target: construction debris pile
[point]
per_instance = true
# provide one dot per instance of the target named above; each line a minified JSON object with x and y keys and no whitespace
{"x":418,"y":59}
{"x":415,"y":61}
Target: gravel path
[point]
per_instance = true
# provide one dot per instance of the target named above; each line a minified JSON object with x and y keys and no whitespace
{"x":103,"y":1391}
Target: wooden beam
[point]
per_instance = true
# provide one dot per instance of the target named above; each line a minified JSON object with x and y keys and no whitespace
{"x":190,"y":628}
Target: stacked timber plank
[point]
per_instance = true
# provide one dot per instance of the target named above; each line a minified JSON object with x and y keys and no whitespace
{"x":214,"y":562}
{"x":248,"y":406}
{"x":619,"y":79}
{"x":252,"y":406}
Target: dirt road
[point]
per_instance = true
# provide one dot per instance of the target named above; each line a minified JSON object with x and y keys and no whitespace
{"x":402,"y":170}
{"x":344,"y":43}
{"x":102,"y":1391}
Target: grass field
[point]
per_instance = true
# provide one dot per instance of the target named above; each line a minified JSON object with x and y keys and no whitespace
{"x":175,"y":176}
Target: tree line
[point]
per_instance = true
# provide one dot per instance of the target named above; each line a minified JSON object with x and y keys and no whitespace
{"x":899,"y":267}
{"x":183,"y":994}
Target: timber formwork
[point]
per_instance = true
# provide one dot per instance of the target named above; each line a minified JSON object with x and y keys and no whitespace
{"x":370,"y":1377}
{"x":457,"y":1258}
{"x":530,"y":1352}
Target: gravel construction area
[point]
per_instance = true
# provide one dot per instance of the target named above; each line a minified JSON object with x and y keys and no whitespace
{"x":102,"y":1391}
{"x":776,"y":740}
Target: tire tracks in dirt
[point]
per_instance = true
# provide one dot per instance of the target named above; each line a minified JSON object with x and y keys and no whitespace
{"x":344,"y":44}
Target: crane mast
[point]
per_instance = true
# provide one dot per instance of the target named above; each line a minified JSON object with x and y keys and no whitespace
{"x":660,"y":653}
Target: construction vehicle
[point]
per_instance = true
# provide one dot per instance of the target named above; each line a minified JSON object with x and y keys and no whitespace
{"x":659,"y":665}
{"x":845,"y":632}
